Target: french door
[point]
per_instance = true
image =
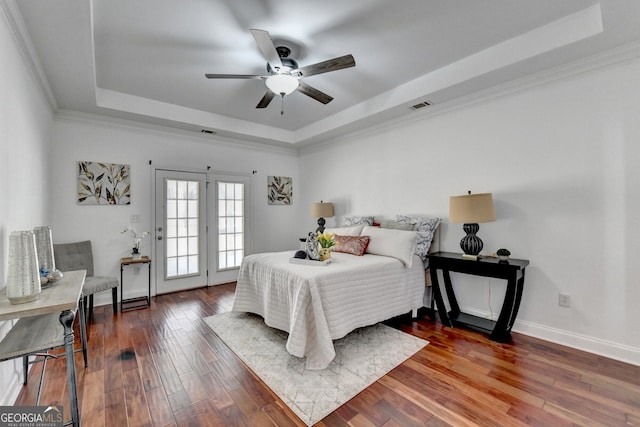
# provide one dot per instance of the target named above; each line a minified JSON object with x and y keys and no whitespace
{"x":201,"y":228}
{"x":228,"y":207}
{"x":180,"y":230}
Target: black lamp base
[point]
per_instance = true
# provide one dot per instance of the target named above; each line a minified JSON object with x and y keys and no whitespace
{"x":471,"y":244}
{"x":321,"y":223}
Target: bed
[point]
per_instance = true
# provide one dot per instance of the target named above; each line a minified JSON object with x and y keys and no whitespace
{"x":318,"y":304}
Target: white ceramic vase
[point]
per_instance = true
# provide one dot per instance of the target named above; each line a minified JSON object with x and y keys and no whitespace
{"x":23,"y":278}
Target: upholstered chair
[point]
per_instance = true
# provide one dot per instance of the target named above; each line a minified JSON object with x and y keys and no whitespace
{"x":79,"y":256}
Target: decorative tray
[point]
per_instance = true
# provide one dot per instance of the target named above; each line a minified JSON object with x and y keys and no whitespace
{"x":310,"y":261}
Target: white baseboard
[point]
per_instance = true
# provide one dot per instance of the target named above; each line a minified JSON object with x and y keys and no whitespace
{"x":612,"y":350}
{"x":13,"y":386}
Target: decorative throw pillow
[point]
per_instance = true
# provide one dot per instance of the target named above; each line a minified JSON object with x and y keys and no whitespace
{"x":357,"y":220}
{"x":387,"y":223}
{"x":354,"y":245}
{"x":399,"y":244}
{"x":426,"y":228}
{"x":346,"y":231}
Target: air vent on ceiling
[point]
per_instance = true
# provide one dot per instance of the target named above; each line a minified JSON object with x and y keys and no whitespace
{"x":421,"y":105}
{"x":207,"y":131}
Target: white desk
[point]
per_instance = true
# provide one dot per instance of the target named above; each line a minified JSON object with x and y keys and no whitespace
{"x":61,"y":297}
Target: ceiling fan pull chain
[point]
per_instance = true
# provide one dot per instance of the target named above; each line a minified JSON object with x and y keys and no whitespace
{"x":282,"y":104}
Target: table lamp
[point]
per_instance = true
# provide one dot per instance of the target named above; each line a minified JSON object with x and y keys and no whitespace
{"x":470,"y":209}
{"x":321,"y":211}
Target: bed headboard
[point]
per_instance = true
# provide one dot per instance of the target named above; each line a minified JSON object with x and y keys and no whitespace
{"x":355,"y":220}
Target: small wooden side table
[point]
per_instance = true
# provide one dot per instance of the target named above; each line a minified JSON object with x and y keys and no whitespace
{"x":138,"y":302}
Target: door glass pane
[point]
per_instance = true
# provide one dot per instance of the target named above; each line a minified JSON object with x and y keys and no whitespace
{"x":172,"y":267}
{"x":182,"y":189}
{"x":193,"y":227}
{"x":171,"y":208}
{"x":230,"y":200}
{"x":172,"y":247}
{"x":183,"y":202}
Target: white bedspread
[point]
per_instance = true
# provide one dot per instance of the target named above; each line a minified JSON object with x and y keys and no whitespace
{"x":318,"y":304}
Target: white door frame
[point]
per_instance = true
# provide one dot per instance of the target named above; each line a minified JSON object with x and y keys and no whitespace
{"x":249,"y":237}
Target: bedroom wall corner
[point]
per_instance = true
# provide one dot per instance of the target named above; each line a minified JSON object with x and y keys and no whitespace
{"x":561,"y":161}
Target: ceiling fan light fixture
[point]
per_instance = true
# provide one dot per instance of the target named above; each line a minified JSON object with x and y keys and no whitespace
{"x":282,"y":84}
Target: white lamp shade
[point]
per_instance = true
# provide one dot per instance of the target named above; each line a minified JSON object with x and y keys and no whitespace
{"x":282,"y":84}
{"x":322,"y":210}
{"x":471,"y":208}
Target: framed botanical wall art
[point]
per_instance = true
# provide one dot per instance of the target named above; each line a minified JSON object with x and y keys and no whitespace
{"x":279,"y":190}
{"x":103,"y":184}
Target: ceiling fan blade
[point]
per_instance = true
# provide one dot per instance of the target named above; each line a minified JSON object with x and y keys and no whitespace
{"x":328,"y":65}
{"x":266,"y":99}
{"x":268,"y":50}
{"x":234,"y":76}
{"x":314,"y":93}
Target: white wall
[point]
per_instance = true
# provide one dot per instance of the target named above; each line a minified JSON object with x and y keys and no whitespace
{"x":561,"y":160}
{"x":77,"y":139}
{"x":25,"y":122}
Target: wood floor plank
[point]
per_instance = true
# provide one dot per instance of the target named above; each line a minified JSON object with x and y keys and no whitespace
{"x":180,"y":373}
{"x":196,"y":360}
{"x":178,"y":401}
{"x":93,"y":405}
{"x":174,"y":351}
{"x":502,"y":389}
{"x":192,"y":384}
{"x":216,"y":391}
{"x":206,"y":414}
{"x":479,"y":392}
{"x":251,"y":411}
{"x":146,"y":365}
{"x":136,"y":400}
{"x":281,"y":415}
{"x":423,"y":399}
{"x":115,"y":410}
{"x":401,"y":409}
{"x":159,"y":408}
{"x":168,"y":375}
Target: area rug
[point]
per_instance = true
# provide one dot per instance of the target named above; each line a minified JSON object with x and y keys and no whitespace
{"x":362,"y":357}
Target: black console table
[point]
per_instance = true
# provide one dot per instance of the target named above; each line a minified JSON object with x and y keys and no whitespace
{"x":511,"y":270}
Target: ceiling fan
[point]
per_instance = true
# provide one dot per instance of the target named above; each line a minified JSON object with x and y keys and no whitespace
{"x":283,"y":73}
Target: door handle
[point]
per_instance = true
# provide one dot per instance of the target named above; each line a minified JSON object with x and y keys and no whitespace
{"x":159,"y":237}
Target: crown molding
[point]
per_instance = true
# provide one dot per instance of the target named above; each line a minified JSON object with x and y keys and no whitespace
{"x":13,"y":17}
{"x":71,"y":116}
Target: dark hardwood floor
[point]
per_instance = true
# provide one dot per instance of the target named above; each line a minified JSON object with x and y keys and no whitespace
{"x":164,"y":367}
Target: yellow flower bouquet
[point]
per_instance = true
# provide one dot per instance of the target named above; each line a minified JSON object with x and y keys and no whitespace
{"x":326,"y":242}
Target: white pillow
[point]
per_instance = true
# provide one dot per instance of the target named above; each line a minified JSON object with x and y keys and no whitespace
{"x":426,"y":228}
{"x":346,"y":231}
{"x":400,"y":244}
